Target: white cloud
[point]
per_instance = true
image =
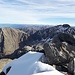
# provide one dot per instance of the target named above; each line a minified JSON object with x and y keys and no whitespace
{"x":32,"y":11}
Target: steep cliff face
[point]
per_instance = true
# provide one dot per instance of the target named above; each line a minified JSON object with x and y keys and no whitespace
{"x":11,"y":39}
{"x":1,"y":41}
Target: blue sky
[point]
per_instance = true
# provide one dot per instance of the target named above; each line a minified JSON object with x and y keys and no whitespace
{"x":51,"y":12}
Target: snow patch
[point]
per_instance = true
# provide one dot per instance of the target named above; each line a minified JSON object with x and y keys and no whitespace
{"x":61,"y":29}
{"x":30,"y":64}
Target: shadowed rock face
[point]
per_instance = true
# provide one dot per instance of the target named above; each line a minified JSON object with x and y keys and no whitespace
{"x":11,"y":39}
{"x":2,"y":73}
{"x":61,"y":50}
{"x":51,"y":32}
{"x":1,"y":40}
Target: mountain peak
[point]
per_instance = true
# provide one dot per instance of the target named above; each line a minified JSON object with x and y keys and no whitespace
{"x":66,"y":25}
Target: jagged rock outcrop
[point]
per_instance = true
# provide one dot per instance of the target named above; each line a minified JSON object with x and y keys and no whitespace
{"x":10,"y":40}
{"x":61,"y":50}
{"x":51,"y":32}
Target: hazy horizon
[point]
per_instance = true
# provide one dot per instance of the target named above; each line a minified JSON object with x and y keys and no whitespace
{"x":20,"y":25}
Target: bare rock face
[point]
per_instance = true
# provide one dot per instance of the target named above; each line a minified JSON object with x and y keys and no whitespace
{"x":11,"y":39}
{"x":1,"y":40}
{"x":61,"y":50}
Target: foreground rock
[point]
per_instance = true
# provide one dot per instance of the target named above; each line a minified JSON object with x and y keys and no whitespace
{"x":11,"y":40}
{"x":61,"y":51}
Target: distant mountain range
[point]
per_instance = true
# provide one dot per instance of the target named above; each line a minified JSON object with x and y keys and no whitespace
{"x":12,"y":25}
{"x":21,"y":25}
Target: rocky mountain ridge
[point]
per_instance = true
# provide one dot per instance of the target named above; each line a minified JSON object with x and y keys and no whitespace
{"x":58,"y":44}
{"x":11,"y":40}
{"x":49,"y":33}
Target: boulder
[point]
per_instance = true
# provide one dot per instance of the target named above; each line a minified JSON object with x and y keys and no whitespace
{"x":61,"y":50}
{"x":27,"y":48}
